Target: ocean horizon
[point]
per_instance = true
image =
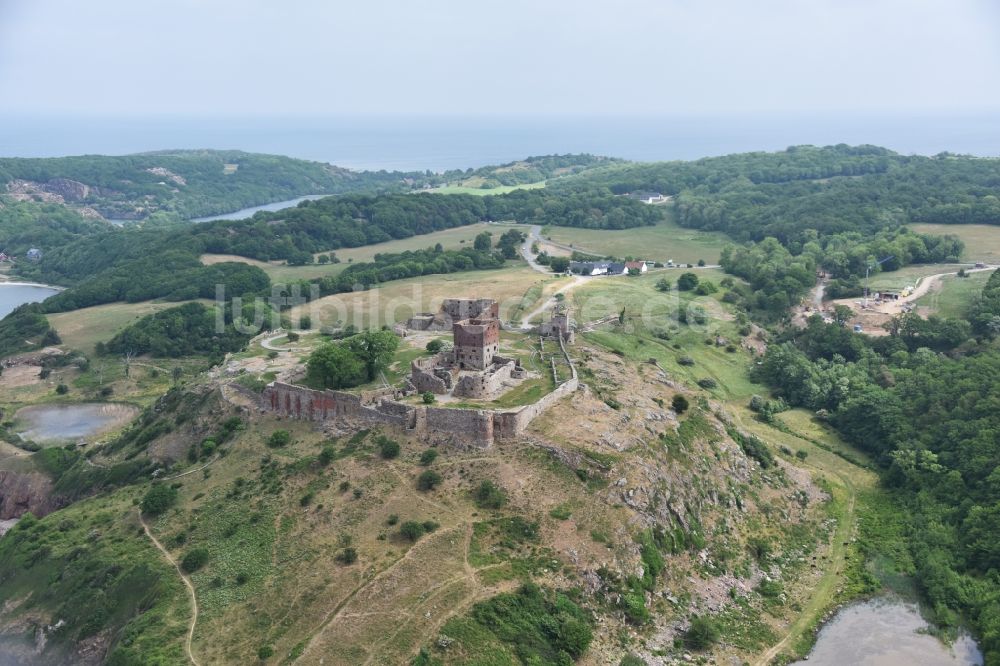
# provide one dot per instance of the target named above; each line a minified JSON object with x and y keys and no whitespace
{"x":440,"y":143}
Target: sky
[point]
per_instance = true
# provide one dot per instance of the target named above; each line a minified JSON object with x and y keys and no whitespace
{"x":516,"y":57}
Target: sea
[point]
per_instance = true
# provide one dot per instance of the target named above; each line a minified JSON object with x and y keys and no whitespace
{"x":440,"y":143}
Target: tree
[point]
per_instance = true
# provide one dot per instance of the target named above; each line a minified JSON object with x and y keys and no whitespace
{"x":842,"y":314}
{"x":428,"y":457}
{"x":195,"y":559}
{"x":663,"y":284}
{"x":158,"y":499}
{"x":347,"y":556}
{"x":679,"y":403}
{"x":411,"y":530}
{"x":428,"y":480}
{"x":335,"y":366}
{"x":687,"y":282}
{"x":428,"y":398}
{"x":701,"y":262}
{"x":434,"y":346}
{"x":279,"y":438}
{"x":177,"y":373}
{"x":559,"y":264}
{"x":375,"y":349}
{"x":483,"y":242}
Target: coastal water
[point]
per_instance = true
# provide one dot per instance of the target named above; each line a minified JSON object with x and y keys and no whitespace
{"x":886,"y":632}
{"x":439,"y":143}
{"x":13,"y":294}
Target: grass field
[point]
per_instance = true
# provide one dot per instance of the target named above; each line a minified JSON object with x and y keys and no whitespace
{"x":397,"y":301}
{"x":664,"y":241}
{"x":450,"y":239}
{"x":470,"y":187}
{"x":908,"y":275}
{"x":82,"y":329}
{"x":953,"y":295}
{"x":982,"y":241}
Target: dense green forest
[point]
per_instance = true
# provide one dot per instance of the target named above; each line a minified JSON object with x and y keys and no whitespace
{"x":24,"y":329}
{"x":181,"y":331}
{"x":25,"y":225}
{"x":923,"y":401}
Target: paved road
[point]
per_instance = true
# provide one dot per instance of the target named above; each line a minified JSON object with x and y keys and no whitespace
{"x":534,"y":236}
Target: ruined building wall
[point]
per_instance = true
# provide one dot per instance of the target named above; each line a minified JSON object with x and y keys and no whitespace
{"x":470,"y":308}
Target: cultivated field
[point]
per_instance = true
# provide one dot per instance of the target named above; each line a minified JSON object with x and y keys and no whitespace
{"x":470,"y":186}
{"x":397,"y":301}
{"x":982,"y":241}
{"x":664,"y":241}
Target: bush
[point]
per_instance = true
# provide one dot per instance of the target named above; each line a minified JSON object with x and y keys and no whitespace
{"x":428,"y":480}
{"x":705,"y":288}
{"x":347,"y":556}
{"x":62,"y":389}
{"x":326,"y":455}
{"x":707,"y":383}
{"x":265,"y":652}
{"x":428,"y":398}
{"x":434,"y":346}
{"x":428,"y":457}
{"x":685,"y":360}
{"x":392,"y":519}
{"x":489,"y":496}
{"x":702,"y":634}
{"x":388,"y":448}
{"x":411,"y":530}
{"x":679,"y":403}
{"x":279,"y":438}
{"x":158,"y":499}
{"x":194,"y":559}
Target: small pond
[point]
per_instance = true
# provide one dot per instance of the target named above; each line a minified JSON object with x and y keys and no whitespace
{"x":60,"y":423}
{"x":886,"y":632}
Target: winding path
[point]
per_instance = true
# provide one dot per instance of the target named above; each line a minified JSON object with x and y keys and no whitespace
{"x":187,"y":583}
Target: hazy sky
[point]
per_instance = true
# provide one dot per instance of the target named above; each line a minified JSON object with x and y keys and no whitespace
{"x":312,"y":57}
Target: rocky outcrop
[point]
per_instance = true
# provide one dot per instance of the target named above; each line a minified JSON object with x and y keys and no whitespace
{"x":21,"y":492}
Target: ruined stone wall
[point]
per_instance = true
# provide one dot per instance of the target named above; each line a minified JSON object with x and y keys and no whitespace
{"x":426,"y":373}
{"x":484,"y":384}
{"x":461,"y":426}
{"x":298,"y":402}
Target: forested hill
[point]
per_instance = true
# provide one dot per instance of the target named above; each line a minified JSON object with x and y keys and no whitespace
{"x":179,"y":185}
{"x":184,"y":184}
{"x":804,"y":189}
